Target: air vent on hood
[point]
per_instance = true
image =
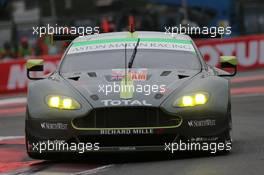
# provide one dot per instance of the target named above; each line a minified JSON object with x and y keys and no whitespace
{"x":165,"y":73}
{"x":92,"y":74}
{"x":183,"y":76}
{"x":76,"y":78}
{"x":158,"y":96}
{"x":94,"y":97}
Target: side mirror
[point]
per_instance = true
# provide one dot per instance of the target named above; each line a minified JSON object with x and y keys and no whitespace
{"x":229,"y":62}
{"x":34,"y":65}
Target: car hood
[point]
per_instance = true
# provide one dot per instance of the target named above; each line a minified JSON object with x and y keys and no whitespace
{"x":96,"y":86}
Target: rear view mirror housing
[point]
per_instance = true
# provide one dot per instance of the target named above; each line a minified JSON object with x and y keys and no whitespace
{"x":229,"y":62}
{"x":34,"y":65}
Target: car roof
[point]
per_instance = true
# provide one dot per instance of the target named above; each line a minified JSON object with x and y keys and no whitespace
{"x":137,"y":34}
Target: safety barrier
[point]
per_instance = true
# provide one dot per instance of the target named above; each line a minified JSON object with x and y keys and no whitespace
{"x":248,"y":49}
{"x":13,"y":77}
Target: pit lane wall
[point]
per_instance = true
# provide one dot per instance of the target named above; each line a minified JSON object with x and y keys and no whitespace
{"x":249,"y":51}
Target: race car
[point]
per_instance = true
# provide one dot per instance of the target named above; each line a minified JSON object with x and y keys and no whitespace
{"x":127,"y":92}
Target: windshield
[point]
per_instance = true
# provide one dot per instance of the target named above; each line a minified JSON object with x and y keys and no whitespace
{"x":145,"y":58}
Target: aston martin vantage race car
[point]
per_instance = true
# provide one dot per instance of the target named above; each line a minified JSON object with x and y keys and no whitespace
{"x":125,"y":92}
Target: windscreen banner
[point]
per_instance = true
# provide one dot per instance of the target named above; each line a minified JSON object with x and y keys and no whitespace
{"x":249,"y":51}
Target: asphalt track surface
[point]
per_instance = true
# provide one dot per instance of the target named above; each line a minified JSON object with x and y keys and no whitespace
{"x":246,"y":157}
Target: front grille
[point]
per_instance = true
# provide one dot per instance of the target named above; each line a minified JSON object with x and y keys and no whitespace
{"x":128,"y":140}
{"x":127,"y":117}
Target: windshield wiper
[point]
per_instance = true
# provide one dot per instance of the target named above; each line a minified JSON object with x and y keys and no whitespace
{"x":130,"y":63}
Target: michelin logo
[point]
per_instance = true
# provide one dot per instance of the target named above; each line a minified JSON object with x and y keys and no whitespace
{"x":46,"y":125}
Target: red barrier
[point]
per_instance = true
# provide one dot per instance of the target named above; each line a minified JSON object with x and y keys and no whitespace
{"x":249,"y":51}
{"x":13,"y":74}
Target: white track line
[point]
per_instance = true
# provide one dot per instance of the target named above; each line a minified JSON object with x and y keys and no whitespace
{"x":247,"y":95}
{"x":17,"y":100}
{"x":10,"y":137}
{"x":95,"y":170}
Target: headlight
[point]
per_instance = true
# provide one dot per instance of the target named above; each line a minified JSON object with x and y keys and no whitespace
{"x":62,"y":102}
{"x":194,"y":99}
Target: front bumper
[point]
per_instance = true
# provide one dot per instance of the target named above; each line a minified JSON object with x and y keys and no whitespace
{"x":127,"y":139}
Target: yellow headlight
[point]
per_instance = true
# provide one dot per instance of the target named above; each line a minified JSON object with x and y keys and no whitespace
{"x":67,"y":103}
{"x":200,"y":99}
{"x":187,"y":101}
{"x":194,"y":99}
{"x":62,"y":102}
{"x":54,"y":101}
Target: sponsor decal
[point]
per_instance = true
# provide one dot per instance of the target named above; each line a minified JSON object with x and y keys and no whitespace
{"x":119,"y":43}
{"x":134,"y":74}
{"x":249,"y":51}
{"x":201,"y":123}
{"x":60,"y":126}
{"x":126,"y":131}
{"x":110,"y":102}
{"x":203,"y":139}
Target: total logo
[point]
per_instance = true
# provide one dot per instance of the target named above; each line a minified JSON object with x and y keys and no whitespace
{"x":125,"y":102}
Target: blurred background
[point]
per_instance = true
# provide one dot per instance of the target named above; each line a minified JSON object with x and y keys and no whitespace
{"x":17,"y":17}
